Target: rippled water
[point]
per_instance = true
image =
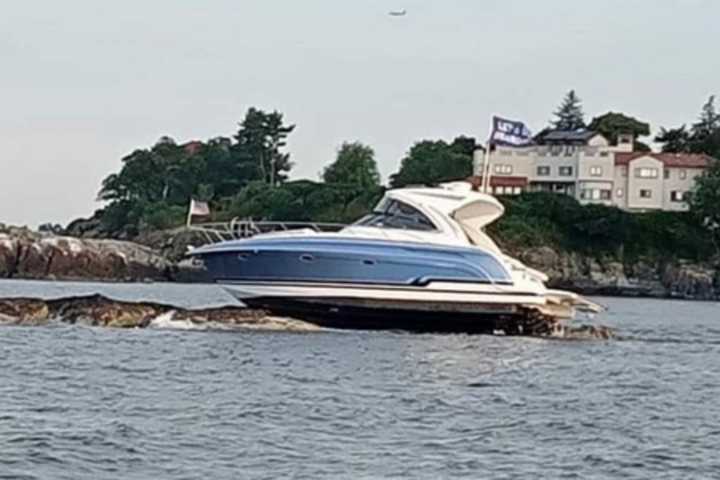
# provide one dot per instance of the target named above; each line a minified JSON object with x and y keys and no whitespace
{"x":87,"y":403}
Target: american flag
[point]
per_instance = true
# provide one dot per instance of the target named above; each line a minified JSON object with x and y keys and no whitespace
{"x":199,"y":209}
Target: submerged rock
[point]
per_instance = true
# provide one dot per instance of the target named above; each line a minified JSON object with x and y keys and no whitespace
{"x":100,"y":311}
{"x":24,"y":312}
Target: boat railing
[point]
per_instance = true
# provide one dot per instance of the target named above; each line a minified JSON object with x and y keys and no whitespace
{"x":245,"y":228}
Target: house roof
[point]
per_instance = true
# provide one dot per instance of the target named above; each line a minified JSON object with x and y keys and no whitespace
{"x":677,"y":160}
{"x":563,"y":136}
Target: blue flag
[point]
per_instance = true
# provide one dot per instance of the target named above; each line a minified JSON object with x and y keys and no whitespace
{"x":510,"y":132}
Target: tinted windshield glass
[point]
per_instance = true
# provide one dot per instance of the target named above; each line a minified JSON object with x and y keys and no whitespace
{"x":394,"y":214}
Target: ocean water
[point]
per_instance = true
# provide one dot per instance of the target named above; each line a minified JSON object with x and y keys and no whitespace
{"x":91,"y":403}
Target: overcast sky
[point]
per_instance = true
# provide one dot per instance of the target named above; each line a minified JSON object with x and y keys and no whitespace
{"x":84,"y":82}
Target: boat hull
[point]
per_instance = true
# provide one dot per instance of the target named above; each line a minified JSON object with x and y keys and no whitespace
{"x":343,"y":313}
{"x":391,"y":308}
{"x":349,"y":260}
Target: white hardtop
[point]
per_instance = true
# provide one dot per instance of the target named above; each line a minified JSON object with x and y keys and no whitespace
{"x":457,"y":200}
{"x":458,"y":213}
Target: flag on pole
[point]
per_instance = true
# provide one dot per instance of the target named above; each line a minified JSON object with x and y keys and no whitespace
{"x":503,"y":132}
{"x":509,"y":132}
{"x":197,"y":209}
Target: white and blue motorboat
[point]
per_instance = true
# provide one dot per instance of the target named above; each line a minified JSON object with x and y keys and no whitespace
{"x":420,"y":261}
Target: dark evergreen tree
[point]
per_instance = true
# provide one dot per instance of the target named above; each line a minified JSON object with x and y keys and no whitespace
{"x":260,"y":141}
{"x":569,"y":116}
{"x":674,"y":140}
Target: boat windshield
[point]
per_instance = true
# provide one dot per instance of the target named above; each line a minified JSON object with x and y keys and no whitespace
{"x":395,"y":214}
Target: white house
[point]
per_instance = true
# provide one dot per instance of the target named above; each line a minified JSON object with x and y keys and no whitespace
{"x":585,"y":165}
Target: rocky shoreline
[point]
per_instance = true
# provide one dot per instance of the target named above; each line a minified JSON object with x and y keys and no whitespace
{"x":158,"y":257}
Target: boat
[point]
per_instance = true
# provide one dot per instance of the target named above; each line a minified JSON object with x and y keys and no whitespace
{"x":421,"y":261}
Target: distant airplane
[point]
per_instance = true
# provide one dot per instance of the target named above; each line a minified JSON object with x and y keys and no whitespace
{"x":400,"y":13}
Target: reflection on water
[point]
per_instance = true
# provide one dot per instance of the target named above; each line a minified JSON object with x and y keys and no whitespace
{"x":86,"y":403}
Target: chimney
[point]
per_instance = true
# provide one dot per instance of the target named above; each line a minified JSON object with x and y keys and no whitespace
{"x":625,"y":142}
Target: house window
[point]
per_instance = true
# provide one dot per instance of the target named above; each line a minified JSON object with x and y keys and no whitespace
{"x":543,"y":171}
{"x":683,"y":174}
{"x":503,"y":169}
{"x":646,"y":172}
{"x":604,"y":154}
{"x":595,"y":194}
{"x":623,"y":171}
{"x":565,"y":171}
{"x":645,"y":193}
{"x":517,"y":190}
{"x":569,"y":150}
{"x":676,"y":196}
{"x":619,"y":193}
{"x":666,"y":173}
{"x":596,"y":171}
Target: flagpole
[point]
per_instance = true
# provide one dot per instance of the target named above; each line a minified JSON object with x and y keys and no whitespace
{"x":486,"y":160}
{"x":189,"y":216}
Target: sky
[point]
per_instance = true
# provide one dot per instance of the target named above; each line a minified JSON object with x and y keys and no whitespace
{"x":83,"y":82}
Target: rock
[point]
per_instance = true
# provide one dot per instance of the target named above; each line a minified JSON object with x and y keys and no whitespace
{"x":25,"y":254}
{"x":24,"y":312}
{"x":173,"y":244}
{"x":587,"y":332}
{"x":84,"y":228}
{"x":691,"y":281}
{"x":100,"y":311}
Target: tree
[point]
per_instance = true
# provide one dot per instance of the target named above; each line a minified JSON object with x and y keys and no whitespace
{"x":430,"y":162}
{"x":260,"y":139}
{"x":703,"y":136}
{"x":611,"y":124}
{"x":569,"y":116}
{"x":674,"y":140}
{"x":705,"y":201}
{"x":355,"y":165}
{"x":709,"y":120}
{"x":464,"y":145}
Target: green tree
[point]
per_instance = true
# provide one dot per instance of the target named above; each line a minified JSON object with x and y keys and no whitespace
{"x":569,"y":115}
{"x":702,"y":137}
{"x":705,"y":202}
{"x":258,"y":150}
{"x":705,"y":133}
{"x":674,"y":140}
{"x":611,"y":124}
{"x":355,"y":165}
{"x":430,"y":162}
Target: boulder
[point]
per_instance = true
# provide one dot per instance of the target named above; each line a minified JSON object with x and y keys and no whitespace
{"x":24,"y":312}
{"x":29,"y":255}
{"x":691,"y":281}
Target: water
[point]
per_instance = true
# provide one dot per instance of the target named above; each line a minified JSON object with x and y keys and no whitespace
{"x":89,"y":403}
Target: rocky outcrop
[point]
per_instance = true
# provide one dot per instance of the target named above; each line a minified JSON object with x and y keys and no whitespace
{"x":101,"y":311}
{"x":30,"y":255}
{"x":608,"y":276}
{"x":174,"y":244}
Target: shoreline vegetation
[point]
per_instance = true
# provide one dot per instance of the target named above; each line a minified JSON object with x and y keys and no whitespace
{"x":138,"y":234}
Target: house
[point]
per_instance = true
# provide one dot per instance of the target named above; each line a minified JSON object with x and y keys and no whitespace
{"x":656,"y":181}
{"x":586,"y":166}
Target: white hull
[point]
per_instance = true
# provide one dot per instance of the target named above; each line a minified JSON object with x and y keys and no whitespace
{"x":435,"y":293}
